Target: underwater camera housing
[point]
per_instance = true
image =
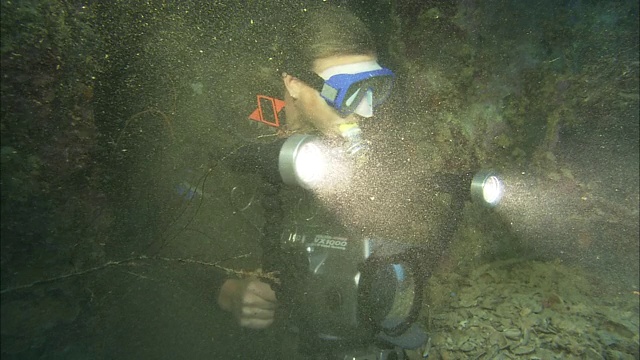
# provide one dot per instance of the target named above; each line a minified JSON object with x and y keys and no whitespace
{"x":348,"y":298}
{"x":347,"y":294}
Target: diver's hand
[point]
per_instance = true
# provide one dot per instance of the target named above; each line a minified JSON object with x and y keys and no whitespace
{"x":251,"y":302}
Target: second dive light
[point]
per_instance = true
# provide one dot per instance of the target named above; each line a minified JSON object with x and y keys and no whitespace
{"x":487,"y":187}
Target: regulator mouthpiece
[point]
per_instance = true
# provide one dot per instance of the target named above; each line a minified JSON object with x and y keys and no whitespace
{"x":355,"y":144}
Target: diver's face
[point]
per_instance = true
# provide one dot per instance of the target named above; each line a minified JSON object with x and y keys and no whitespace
{"x":310,"y":107}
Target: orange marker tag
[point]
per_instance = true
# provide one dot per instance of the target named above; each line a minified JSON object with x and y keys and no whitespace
{"x":267,"y":111}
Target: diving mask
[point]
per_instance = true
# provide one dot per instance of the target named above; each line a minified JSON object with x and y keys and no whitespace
{"x":353,"y":88}
{"x":356,"y":88}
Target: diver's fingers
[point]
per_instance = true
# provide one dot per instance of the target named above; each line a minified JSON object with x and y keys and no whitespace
{"x":260,"y":294}
{"x":257,"y":313}
{"x":255,"y":323}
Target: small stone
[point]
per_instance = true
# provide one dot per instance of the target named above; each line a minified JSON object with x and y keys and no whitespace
{"x":523,"y":350}
{"x":512,"y":334}
{"x":489,"y":303}
{"x":467,"y":346}
{"x":536,"y":308}
{"x":467,"y":303}
{"x":608,"y":338}
{"x":498,"y":340}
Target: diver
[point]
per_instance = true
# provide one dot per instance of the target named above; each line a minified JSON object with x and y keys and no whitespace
{"x":332,"y":81}
{"x":331,"y":78}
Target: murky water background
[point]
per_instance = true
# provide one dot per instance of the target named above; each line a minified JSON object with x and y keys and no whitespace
{"x":109,"y":109}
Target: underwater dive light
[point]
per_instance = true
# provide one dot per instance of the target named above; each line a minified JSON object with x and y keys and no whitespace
{"x":487,"y":187}
{"x":314,"y":163}
{"x":302,"y":161}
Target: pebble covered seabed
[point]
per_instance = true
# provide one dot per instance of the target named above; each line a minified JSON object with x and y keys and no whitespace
{"x":520,"y":309}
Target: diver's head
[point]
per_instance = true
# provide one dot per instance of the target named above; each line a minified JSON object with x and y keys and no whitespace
{"x":330,"y":73}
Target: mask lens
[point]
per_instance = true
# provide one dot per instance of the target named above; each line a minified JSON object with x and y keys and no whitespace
{"x":353,"y":97}
{"x":346,"y":90}
{"x":379,"y":86}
